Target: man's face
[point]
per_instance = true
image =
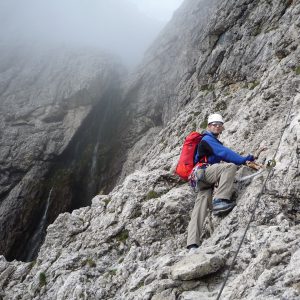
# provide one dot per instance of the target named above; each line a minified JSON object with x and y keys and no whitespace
{"x":216,"y":127}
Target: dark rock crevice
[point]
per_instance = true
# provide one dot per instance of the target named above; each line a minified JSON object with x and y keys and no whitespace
{"x":47,"y":98}
{"x":87,"y":166}
{"x":88,"y":159}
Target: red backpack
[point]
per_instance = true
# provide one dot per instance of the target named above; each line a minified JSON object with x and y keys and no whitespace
{"x":186,"y":160}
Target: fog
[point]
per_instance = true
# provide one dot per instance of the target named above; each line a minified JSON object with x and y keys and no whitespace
{"x":122,"y":27}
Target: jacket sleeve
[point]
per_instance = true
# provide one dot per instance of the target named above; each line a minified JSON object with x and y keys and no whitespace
{"x":225,"y":153}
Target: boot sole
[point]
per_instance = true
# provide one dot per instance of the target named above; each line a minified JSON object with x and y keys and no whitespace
{"x":222,"y":211}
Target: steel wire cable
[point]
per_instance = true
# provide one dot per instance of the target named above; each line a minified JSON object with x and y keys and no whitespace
{"x":255,"y":207}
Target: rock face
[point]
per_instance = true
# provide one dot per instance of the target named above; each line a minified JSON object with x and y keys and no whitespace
{"x":161,"y":85}
{"x":46,"y":97}
{"x":196,"y":266}
{"x":129,"y":243}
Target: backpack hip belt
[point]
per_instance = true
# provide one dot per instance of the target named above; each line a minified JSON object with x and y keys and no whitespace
{"x":196,"y":176}
{"x":202,"y":165}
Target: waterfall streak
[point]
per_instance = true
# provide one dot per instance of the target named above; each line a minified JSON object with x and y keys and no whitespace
{"x":36,"y":240}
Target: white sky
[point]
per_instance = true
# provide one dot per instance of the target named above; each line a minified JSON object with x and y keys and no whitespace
{"x":123,"y":27}
{"x":158,"y":9}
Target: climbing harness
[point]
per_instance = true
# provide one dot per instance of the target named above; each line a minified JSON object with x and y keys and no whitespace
{"x":270,"y":165}
{"x":196,"y":176}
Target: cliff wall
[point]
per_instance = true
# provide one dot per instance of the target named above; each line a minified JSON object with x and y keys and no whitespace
{"x":130,"y":243}
{"x":47,"y":98}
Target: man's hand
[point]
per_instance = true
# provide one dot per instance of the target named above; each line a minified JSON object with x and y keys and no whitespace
{"x":253,"y":165}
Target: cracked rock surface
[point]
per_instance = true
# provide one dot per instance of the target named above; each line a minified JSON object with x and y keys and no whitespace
{"x":130,"y":243}
{"x":197,"y":265}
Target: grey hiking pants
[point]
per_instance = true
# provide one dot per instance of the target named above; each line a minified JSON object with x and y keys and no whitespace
{"x":224,"y":174}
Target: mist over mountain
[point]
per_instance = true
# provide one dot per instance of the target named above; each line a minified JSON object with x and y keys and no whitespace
{"x":115,"y":26}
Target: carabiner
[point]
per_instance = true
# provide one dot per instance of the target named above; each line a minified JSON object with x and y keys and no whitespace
{"x":271,"y":163}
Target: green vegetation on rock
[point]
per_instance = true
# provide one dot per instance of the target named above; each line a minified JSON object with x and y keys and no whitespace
{"x":42,"y":279}
{"x":122,"y":236}
{"x":253,"y":85}
{"x":151,"y":195}
{"x":220,"y":106}
{"x":90,"y":262}
{"x":204,"y":124}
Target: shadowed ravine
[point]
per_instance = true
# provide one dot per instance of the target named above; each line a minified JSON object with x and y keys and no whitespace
{"x":83,"y":170}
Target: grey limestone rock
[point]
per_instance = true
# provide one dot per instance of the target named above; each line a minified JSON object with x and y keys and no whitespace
{"x":195,"y":296}
{"x":244,"y":64}
{"x":197,"y":265}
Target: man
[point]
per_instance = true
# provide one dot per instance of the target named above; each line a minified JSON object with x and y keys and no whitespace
{"x":215,"y":163}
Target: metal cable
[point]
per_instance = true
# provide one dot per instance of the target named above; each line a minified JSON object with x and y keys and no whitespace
{"x":254,"y":209}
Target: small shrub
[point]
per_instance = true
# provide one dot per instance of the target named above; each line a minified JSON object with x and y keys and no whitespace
{"x":257,"y":30}
{"x":141,"y":284}
{"x":253,"y":85}
{"x":32,"y":264}
{"x":207,"y":87}
{"x":90,"y":262}
{"x":194,"y":126}
{"x":204,"y":124}
{"x":246,"y":135}
{"x":151,"y":195}
{"x":221,"y":106}
{"x":281,"y":53}
{"x":122,"y":236}
{"x":106,"y":201}
{"x":189,"y":119}
{"x":112,"y":272}
{"x":42,"y":279}
{"x":297,"y":70}
{"x":137,"y":212}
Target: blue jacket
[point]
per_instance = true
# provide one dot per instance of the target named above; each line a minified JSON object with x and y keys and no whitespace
{"x":214,"y":150}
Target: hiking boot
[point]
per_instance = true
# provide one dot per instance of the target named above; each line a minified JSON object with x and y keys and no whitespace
{"x":193,"y":249}
{"x":192,"y":246}
{"x":222,"y":206}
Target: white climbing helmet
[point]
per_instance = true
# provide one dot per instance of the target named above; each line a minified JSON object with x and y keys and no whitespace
{"x":215,"y":118}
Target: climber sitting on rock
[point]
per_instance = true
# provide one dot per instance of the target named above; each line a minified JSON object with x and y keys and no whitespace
{"x":214,"y":163}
